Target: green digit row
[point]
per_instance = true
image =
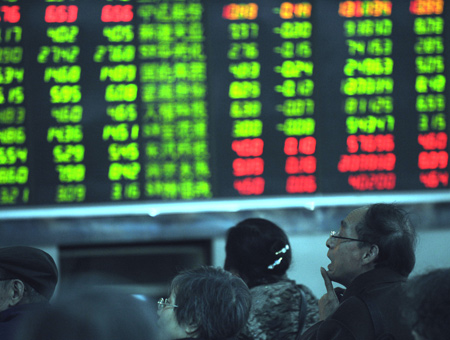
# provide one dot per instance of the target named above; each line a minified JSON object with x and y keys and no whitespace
{"x":370,"y":124}
{"x":129,"y":191}
{"x":291,"y":88}
{"x":177,"y":150}
{"x":367,"y":86}
{"x":68,"y":153}
{"x":184,"y":170}
{"x":432,"y":122}
{"x":369,"y":67}
{"x":12,"y":135}
{"x":430,"y":64}
{"x":183,"y":189}
{"x":179,"y":50}
{"x":10,"y":74}
{"x":182,"y":90}
{"x":12,"y":95}
{"x":171,"y":72}
{"x":170,"y":32}
{"x":435,"y":83}
{"x":62,"y":74}
{"x":298,"y":126}
{"x":169,"y":111}
{"x":375,"y":47}
{"x":11,"y":155}
{"x":375,"y":104}
{"x":13,"y":175}
{"x":171,"y":12}
{"x":71,"y":173}
{"x":368,"y":28}
{"x":429,"y":25}
{"x":10,"y":195}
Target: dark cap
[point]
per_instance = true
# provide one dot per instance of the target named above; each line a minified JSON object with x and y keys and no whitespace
{"x":31,"y":265}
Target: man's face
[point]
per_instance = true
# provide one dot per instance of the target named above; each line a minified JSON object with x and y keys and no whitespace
{"x":4,"y":295}
{"x":168,"y":321}
{"x":346,"y":255}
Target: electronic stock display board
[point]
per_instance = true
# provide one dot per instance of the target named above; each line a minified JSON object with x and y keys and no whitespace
{"x":114,"y":101}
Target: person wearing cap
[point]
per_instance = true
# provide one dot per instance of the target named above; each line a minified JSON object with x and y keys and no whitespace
{"x":28,"y":277}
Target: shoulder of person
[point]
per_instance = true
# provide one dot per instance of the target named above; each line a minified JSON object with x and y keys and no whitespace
{"x":352,"y":308}
{"x":329,"y":329}
{"x":307,"y":291}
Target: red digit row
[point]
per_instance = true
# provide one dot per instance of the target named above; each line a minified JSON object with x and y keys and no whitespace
{"x":68,"y":14}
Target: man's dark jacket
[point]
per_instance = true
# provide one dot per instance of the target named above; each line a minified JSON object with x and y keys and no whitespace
{"x":12,"y":318}
{"x":352,"y":319}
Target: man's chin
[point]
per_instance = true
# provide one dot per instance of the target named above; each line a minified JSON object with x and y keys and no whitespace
{"x":330,"y":272}
{"x":329,"y":269}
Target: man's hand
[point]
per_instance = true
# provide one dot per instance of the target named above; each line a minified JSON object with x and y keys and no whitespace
{"x":329,"y":302}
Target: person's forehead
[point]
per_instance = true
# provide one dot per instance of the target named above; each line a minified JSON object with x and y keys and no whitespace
{"x":353,"y":218}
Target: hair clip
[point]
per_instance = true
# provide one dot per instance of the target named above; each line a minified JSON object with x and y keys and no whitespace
{"x":284,"y":250}
{"x":276,"y":263}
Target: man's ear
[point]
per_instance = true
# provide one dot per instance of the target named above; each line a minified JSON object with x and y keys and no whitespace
{"x":371,"y":254}
{"x":16,"y":292}
{"x":190,"y":329}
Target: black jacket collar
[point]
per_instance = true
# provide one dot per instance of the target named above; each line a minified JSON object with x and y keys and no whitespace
{"x":371,"y":280}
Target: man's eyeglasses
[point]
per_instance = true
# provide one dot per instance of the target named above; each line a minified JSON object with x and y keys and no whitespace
{"x":163,"y":303}
{"x":335,"y":235}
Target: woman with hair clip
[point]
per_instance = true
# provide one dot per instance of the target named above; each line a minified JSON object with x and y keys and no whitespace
{"x":259,"y":252}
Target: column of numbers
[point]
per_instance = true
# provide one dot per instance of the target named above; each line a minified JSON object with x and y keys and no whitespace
{"x":244,"y":91}
{"x":118,"y":72}
{"x":14,"y":171}
{"x":174,"y":108}
{"x":367,"y":88}
{"x":61,"y":76}
{"x":297,"y":88}
{"x":430,"y":86}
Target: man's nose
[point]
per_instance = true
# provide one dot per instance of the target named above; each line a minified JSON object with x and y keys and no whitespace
{"x":329,"y":242}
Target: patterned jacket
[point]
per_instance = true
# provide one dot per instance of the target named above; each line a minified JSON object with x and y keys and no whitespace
{"x":275,"y":311}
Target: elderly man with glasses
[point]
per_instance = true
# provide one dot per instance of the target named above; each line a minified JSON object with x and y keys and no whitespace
{"x":371,"y":255}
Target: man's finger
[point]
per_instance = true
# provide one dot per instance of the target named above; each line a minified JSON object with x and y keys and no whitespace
{"x":326,"y":279}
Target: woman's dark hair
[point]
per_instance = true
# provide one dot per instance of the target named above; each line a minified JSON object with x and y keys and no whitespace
{"x":258,"y":250}
{"x":427,"y":304}
{"x":389,"y":227}
{"x":212,"y":301}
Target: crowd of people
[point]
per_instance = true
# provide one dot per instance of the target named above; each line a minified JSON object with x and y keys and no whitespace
{"x":371,"y":256}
